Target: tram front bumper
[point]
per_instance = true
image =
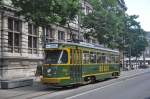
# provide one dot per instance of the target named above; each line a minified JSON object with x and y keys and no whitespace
{"x":50,"y":80}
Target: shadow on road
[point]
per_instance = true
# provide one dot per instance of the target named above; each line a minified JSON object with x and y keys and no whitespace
{"x":38,"y":87}
{"x":147,"y":98}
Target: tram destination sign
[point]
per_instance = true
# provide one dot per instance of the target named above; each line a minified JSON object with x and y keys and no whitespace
{"x":52,"y":46}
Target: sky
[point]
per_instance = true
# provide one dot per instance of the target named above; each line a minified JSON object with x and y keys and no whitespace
{"x":141,"y":8}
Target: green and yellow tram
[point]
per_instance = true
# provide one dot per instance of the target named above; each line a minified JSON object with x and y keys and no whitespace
{"x":72,"y":63}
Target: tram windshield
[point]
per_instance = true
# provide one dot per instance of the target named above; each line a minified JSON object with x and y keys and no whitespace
{"x":56,"y":57}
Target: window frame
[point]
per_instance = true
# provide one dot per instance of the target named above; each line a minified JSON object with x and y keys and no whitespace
{"x":14,"y":33}
{"x":61,"y":35}
{"x":33,"y":48}
{"x":48,"y":33}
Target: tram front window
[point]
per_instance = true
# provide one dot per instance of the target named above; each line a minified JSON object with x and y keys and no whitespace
{"x":56,"y":57}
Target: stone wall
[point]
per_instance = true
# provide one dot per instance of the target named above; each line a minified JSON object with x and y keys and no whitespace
{"x":22,"y":64}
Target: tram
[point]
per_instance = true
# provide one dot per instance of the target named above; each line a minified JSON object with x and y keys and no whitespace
{"x":78,"y":63}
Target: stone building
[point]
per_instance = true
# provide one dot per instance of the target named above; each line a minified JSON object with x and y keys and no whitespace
{"x":21,"y":42}
{"x":122,"y":5}
{"x":20,"y":46}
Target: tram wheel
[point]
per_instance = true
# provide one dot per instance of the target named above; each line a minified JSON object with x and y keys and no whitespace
{"x":93,"y":79}
{"x":115,"y":74}
{"x":90,"y":79}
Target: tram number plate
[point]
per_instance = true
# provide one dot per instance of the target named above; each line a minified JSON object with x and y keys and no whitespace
{"x":52,"y":46}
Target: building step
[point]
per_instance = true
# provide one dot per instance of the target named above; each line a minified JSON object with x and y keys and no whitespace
{"x":14,"y":83}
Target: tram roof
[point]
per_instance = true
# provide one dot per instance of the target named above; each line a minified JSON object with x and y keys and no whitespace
{"x":83,"y":44}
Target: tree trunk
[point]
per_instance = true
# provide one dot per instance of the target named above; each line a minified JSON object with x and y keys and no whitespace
{"x":121,"y":57}
{"x":136,"y":62}
{"x":130,"y":65}
{"x":143,"y":59}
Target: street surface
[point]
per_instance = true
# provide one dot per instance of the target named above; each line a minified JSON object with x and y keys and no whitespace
{"x":133,"y":88}
{"x":134,"y":84}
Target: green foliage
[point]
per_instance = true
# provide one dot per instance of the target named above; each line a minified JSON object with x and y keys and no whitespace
{"x":44,"y":12}
{"x":135,"y":39}
{"x":110,"y":25}
{"x":115,"y":29}
{"x":104,"y":22}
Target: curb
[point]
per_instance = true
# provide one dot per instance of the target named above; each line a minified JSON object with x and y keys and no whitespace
{"x":134,"y":75}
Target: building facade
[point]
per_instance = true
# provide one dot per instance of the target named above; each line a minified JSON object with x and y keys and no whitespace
{"x":20,"y":48}
{"x":21,"y":42}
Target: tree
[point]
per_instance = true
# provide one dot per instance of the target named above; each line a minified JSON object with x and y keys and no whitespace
{"x":138,"y":47}
{"x":46,"y":12}
{"x":135,"y":40}
{"x":114,"y":28}
{"x":105,"y":22}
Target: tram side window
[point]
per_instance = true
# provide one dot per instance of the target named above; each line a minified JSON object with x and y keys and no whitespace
{"x":56,"y":57}
{"x":85,"y":57}
{"x":117,"y":60}
{"x":92,"y":57}
{"x":109,"y":60}
{"x":113,"y":59}
{"x":101,"y":58}
{"x":97,"y":57}
{"x":71,"y":56}
{"x":64,"y":58}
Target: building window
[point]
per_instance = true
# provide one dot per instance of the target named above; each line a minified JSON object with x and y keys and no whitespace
{"x":61,"y":35}
{"x":14,"y":35}
{"x":88,"y":10}
{"x":102,"y":58}
{"x":48,"y":34}
{"x":32,"y":38}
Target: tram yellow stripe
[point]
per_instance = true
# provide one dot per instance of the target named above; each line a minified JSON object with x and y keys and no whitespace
{"x":58,"y":78}
{"x":75,"y":64}
{"x":98,"y":74}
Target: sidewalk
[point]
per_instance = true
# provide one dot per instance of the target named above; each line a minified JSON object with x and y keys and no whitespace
{"x":38,"y":88}
{"x":134,"y":72}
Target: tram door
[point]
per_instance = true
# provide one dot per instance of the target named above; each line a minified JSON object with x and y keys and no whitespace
{"x":76,"y":65}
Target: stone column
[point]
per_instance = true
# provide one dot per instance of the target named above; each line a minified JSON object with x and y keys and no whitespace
{"x":4,"y":46}
{"x":14,"y":65}
{"x":0,"y":45}
{"x":40,"y":42}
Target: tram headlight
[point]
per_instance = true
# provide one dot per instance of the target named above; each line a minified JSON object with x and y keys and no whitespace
{"x":49,"y":70}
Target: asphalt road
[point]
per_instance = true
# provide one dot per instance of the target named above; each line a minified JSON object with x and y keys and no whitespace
{"x":133,"y":88}
{"x":137,"y":87}
{"x":133,"y":84}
